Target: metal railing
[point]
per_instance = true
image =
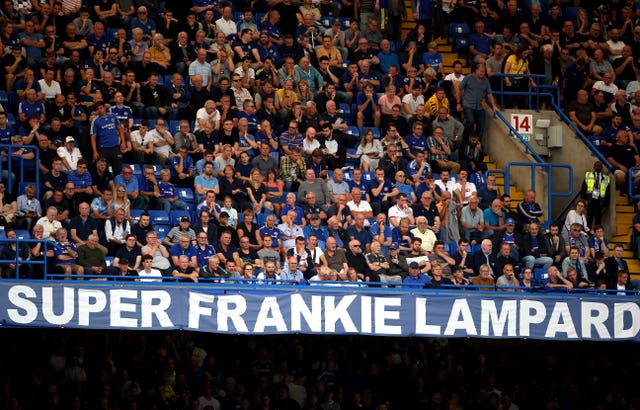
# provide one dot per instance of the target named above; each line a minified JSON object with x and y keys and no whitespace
{"x":552,"y":92}
{"x":6,"y":153}
{"x":631,"y":184}
{"x":548,"y":168}
{"x":512,"y":131}
{"x":18,"y":261}
{"x":529,"y":94}
{"x":239,"y":285}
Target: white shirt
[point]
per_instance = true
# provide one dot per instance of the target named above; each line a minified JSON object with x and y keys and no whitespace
{"x":150,"y":276}
{"x":163,"y":150}
{"x":49,"y":228}
{"x":412,"y":102}
{"x":601,"y":86}
{"x":71,"y":157}
{"x":140,"y":140}
{"x":49,"y":91}
{"x":202,"y":114}
{"x":293,"y":232}
{"x":363,"y":206}
{"x":449,"y":186}
{"x":399,"y":213}
{"x":469,"y":189}
{"x":615,"y":46}
{"x":228,"y":27}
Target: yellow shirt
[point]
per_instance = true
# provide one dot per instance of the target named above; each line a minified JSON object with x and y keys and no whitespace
{"x":432,"y":106}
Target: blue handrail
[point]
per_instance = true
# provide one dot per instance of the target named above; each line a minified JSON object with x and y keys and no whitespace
{"x":548,"y":168}
{"x":529,"y":94}
{"x":7,"y":150}
{"x":555,"y":101}
{"x":512,"y":131}
{"x":18,"y":262}
{"x":630,"y":183}
{"x":594,"y":150}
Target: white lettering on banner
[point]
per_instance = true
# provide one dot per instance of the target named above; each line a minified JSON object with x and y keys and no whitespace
{"x":422,"y":328}
{"x":490,"y":316}
{"x":68,"y":306}
{"x":619,"y":310}
{"x":196,"y":310}
{"x":561,"y":313}
{"x":526,"y":317}
{"x":333,"y":314}
{"x":86,"y":307}
{"x":588,"y":319}
{"x":365,"y":315}
{"x":17,"y":295}
{"x":235,"y":315}
{"x":270,"y":315}
{"x":149,"y":309}
{"x":382,"y":315}
{"x":118,"y":307}
{"x":460,"y":308}
{"x":312,"y":317}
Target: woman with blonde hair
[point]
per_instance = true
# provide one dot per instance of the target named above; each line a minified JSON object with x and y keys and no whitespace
{"x":120,"y":200}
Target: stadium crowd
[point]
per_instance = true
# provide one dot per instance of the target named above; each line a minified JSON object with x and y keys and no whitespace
{"x":295,"y":142}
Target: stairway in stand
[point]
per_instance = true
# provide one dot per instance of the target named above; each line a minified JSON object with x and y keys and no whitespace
{"x":444,"y":47}
{"x":624,"y":219}
{"x":516,"y":195}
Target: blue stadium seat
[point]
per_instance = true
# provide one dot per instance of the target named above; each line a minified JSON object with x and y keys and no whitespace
{"x":461,"y":44}
{"x":348,"y":175}
{"x":572,"y":13}
{"x":109,"y":260}
{"x":111,"y":34}
{"x":186,"y":194}
{"x":174,"y":126}
{"x":368,"y":176}
{"x":346,"y":110}
{"x":458,"y":29}
{"x":4,"y":97}
{"x":23,"y":234}
{"x":261,"y":219}
{"x":162,"y":230}
{"x":353,"y":130}
{"x":159,"y":217}
{"x":326,"y":21}
{"x":174,"y":216}
{"x":345,"y":22}
{"x":539,"y":276}
{"x":135,"y":214}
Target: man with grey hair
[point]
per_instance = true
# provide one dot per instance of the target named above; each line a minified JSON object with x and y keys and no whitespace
{"x":91,"y":257}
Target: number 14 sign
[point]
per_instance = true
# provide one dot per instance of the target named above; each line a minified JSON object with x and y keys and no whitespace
{"x":522,"y":123}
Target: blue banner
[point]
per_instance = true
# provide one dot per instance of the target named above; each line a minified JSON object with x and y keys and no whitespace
{"x":319,"y":310}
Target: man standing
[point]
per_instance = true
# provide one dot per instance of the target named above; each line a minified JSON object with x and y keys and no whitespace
{"x":470,"y":93}
{"x":107,"y":139}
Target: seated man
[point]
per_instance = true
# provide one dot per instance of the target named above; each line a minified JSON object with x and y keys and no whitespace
{"x":91,"y":258}
{"x":534,"y":248}
{"x":9,"y":251}
{"x":184,"y":248}
{"x":379,"y":265}
{"x":65,"y":254}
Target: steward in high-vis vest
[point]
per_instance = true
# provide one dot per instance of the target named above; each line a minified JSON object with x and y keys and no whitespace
{"x":595,"y":190}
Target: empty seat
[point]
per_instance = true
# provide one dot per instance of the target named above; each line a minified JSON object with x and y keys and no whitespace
{"x":159,"y":217}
